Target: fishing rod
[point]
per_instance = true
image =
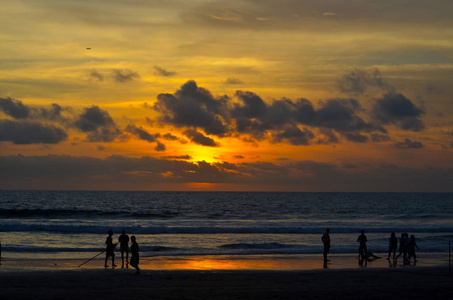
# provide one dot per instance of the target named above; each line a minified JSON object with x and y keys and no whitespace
{"x":114,"y":246}
{"x":91,"y":258}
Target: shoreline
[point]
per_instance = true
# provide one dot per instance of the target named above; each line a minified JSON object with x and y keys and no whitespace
{"x":277,"y":262}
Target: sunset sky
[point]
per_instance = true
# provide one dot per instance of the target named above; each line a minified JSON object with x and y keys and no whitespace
{"x":250,"y":95}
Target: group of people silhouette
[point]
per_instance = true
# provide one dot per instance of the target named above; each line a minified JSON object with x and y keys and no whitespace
{"x":407,"y":247}
{"x":123,"y":240}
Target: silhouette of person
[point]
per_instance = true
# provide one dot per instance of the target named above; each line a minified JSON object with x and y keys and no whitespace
{"x":124,"y":247}
{"x":393,"y":244}
{"x":370,"y":256}
{"x":411,"y":249}
{"x":362,"y":246}
{"x":403,"y":247}
{"x":110,"y":250}
{"x":326,"y":241}
{"x":135,"y":257}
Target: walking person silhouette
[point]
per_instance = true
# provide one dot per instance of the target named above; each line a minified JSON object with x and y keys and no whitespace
{"x":110,"y":250}
{"x":135,"y":256}
{"x":393,"y":244}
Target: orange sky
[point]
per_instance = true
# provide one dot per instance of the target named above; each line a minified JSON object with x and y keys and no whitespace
{"x":226,"y":95}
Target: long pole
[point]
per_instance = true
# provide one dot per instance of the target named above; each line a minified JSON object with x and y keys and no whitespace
{"x":91,"y":258}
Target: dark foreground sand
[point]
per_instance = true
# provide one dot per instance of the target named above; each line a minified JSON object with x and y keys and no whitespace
{"x":366,"y":283}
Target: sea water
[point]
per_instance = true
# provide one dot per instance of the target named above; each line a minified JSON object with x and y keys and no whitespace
{"x":74,"y":224}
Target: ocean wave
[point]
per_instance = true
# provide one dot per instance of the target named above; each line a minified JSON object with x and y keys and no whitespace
{"x":150,"y":228}
{"x":81,"y":213}
{"x":255,"y":246}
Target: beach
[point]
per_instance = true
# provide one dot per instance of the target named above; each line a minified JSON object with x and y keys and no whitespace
{"x":420,"y":283}
{"x":258,"y":277}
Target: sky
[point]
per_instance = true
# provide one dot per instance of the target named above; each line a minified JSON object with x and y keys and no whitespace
{"x":214,"y":95}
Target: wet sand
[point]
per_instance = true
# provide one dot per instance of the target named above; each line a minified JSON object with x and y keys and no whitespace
{"x":215,"y":278}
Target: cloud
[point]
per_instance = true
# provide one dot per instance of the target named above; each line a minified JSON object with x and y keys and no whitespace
{"x":14,"y":108}
{"x":148,"y":173}
{"x":142,"y":134}
{"x":160,"y":147}
{"x":376,"y":137}
{"x":397,"y":109}
{"x":408,"y":144}
{"x":124,"y":75}
{"x":192,"y":106}
{"x":98,"y":125}
{"x":118,"y":75}
{"x":162,"y":72}
{"x":356,"y":137}
{"x":232,"y":81}
{"x":295,"y":136}
{"x":28,"y":132}
{"x":96,"y":75}
{"x":248,"y":114}
{"x":183,"y":157}
{"x":358,"y":81}
{"x":199,"y":138}
{"x":92,"y":118}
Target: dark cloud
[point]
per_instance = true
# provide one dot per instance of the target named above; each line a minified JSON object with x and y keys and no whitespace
{"x":397,"y":109}
{"x":233,"y":81}
{"x":96,"y":75}
{"x":252,"y":106}
{"x":28,"y":132}
{"x":294,"y":136}
{"x":408,"y":144}
{"x":376,"y":137}
{"x":124,"y":75}
{"x":183,"y":157}
{"x":14,"y":108}
{"x":192,"y":106}
{"x":142,"y":133}
{"x":195,"y":107}
{"x":356,"y":137}
{"x":162,"y":72}
{"x":54,"y":113}
{"x":358,"y":81}
{"x":171,"y":137}
{"x":92,"y":118}
{"x":238,"y":156}
{"x":160,"y":147}
{"x":126,"y":173}
{"x":98,"y":125}
{"x":199,"y":138}
{"x":118,"y":75}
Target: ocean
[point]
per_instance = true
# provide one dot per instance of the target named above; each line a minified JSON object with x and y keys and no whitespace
{"x":74,"y":224}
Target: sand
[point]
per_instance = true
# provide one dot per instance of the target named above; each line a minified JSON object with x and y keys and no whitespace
{"x":374,"y":281}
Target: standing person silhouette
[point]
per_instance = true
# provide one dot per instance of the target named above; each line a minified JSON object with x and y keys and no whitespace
{"x":124,"y":247}
{"x":393,"y":244}
{"x":362,"y":246}
{"x":403,"y":247}
{"x":411,"y":249}
{"x":135,"y":256}
{"x":110,"y":250}
{"x":326,"y":241}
